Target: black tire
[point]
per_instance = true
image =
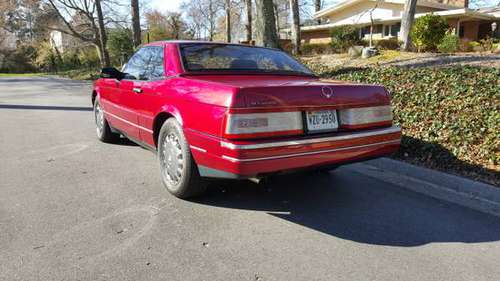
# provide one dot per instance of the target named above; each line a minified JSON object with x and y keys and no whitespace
{"x":103,"y":130}
{"x":178,"y":171}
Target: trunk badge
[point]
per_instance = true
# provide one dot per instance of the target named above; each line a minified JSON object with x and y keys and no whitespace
{"x":327,"y":92}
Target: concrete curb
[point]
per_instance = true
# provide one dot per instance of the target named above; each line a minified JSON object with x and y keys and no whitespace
{"x":472,"y":194}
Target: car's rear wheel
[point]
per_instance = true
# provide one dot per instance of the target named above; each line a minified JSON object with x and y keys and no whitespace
{"x":103,"y":130}
{"x":179,"y":173}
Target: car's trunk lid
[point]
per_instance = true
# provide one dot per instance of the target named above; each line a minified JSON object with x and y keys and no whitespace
{"x":274,"y":91}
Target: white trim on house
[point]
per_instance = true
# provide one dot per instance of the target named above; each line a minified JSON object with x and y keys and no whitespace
{"x":347,"y":3}
{"x":464,"y":12}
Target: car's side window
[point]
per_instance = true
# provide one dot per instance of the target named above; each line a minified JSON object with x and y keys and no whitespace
{"x":156,"y":67}
{"x":137,"y":66}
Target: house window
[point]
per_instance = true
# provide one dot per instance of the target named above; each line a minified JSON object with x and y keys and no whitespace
{"x":387,"y":30}
{"x":365,"y":31}
{"x":395,"y":28}
{"x":377,"y":29}
{"x":461,"y":32}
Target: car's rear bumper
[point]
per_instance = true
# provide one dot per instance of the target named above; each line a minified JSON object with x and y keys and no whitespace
{"x":245,"y":159}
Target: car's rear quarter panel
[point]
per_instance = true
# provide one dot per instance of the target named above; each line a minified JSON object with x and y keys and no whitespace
{"x":199,"y":106}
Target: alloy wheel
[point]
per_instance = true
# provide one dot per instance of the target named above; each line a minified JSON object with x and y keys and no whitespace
{"x":99,"y":119}
{"x":172,"y":159}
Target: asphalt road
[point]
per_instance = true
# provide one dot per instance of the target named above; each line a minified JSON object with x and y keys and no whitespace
{"x":72,"y":208}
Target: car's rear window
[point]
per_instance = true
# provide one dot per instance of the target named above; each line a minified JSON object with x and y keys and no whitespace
{"x":222,"y":57}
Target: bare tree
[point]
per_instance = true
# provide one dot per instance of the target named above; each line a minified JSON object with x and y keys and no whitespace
{"x":249,"y":20}
{"x":86,"y":24}
{"x":276,"y":16}
{"x":372,"y":23}
{"x":266,"y":25}
{"x":407,"y":23}
{"x":103,"y":39}
{"x":294,"y":5}
{"x":203,"y":14}
{"x":136,"y":22}
{"x":176,"y":27}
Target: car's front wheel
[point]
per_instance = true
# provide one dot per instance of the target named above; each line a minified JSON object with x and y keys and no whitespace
{"x":103,"y":130}
{"x":179,"y":173}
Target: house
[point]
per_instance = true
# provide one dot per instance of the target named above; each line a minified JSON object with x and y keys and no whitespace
{"x":469,"y":24}
{"x":61,"y":41}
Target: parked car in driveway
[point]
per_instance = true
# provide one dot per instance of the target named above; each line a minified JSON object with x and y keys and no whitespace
{"x":216,"y":110}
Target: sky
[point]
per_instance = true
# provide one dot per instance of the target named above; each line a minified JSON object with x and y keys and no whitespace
{"x":165,"y":5}
{"x":174,"y":5}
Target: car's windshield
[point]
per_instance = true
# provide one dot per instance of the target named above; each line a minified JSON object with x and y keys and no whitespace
{"x":221,"y":57}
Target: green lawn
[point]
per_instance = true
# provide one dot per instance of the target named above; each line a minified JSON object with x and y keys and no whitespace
{"x":20,"y":74}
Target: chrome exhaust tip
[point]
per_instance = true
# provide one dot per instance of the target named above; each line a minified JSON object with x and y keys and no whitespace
{"x":255,"y":180}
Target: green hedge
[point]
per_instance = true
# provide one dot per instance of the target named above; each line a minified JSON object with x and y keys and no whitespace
{"x":450,"y":116}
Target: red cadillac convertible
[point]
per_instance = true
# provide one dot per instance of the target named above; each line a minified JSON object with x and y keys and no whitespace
{"x":214,"y":110}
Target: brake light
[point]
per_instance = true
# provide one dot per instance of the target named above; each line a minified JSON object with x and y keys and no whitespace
{"x":366,"y":116}
{"x":255,"y":125}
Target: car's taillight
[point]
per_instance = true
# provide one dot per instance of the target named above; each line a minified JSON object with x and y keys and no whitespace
{"x":256,"y":125}
{"x":364,"y":116}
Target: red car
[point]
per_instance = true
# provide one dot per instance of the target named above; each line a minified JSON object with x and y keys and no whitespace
{"x":214,"y":110}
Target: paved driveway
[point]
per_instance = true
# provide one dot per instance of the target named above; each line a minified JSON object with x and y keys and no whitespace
{"x":72,"y":208}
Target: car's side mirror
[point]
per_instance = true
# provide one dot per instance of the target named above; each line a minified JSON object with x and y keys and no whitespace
{"x":111,"y":72}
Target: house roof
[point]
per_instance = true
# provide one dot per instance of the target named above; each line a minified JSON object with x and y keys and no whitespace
{"x":491,"y":10}
{"x":460,"y":13}
{"x":348,"y":3}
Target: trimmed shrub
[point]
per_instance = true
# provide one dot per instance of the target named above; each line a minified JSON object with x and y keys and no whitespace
{"x":449,"y":44}
{"x":428,"y":32}
{"x":388,"y":44}
{"x":316,"y":48}
{"x":344,"y":37}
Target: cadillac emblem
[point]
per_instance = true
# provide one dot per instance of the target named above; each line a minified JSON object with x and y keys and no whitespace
{"x":327,"y":91}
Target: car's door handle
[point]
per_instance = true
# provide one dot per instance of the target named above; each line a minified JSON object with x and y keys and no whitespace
{"x":137,"y":90}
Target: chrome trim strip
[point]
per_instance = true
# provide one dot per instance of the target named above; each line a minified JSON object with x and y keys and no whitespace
{"x":232,"y":159}
{"x":341,"y":136}
{"x":198,"y":148}
{"x":128,"y":122}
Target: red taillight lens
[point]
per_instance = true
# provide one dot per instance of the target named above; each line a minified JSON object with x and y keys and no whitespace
{"x":255,"y":125}
{"x":365,"y":116}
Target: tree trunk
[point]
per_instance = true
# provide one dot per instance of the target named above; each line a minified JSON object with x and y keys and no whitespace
{"x":249,"y":20}
{"x":371,"y":26}
{"x":277,"y":18}
{"x":98,"y":48}
{"x":105,"y":62}
{"x":228,"y":21}
{"x":136,"y":23}
{"x":294,"y":5}
{"x":317,"y":8}
{"x":407,"y":23}
{"x":267,"y":35}
{"x":211,"y":20}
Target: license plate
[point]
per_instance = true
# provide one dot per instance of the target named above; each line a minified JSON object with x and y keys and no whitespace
{"x":324,"y":120}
